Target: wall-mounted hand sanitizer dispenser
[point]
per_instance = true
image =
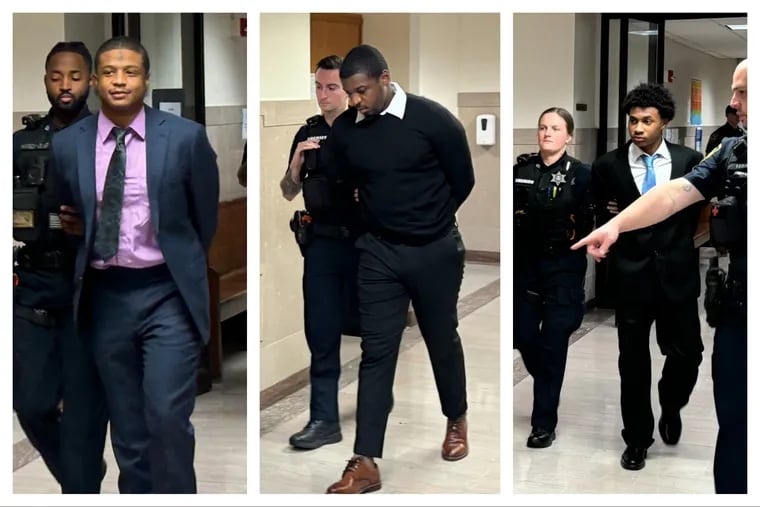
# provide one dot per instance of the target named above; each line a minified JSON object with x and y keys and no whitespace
{"x":485,"y":129}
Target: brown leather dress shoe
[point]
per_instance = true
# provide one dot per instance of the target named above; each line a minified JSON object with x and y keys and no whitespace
{"x":360,"y":476}
{"x":455,"y":444}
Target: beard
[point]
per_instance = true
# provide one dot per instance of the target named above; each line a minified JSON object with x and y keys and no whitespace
{"x":73,"y":108}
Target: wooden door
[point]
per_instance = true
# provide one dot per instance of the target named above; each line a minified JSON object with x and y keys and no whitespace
{"x":334,"y":34}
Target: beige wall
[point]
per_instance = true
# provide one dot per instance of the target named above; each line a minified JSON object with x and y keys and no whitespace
{"x":390,"y":34}
{"x":284,"y":56}
{"x":33,"y":36}
{"x":440,"y":55}
{"x":478,"y":217}
{"x":283,"y":344}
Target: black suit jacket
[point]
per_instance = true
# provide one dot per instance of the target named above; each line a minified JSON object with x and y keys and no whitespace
{"x":657,"y":262}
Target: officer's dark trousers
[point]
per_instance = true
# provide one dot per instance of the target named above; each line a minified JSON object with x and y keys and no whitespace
{"x":678,"y":336}
{"x":729,"y":372}
{"x":390,"y":275}
{"x":147,"y":350}
{"x":51,"y":363}
{"x":329,"y":282}
{"x":543,"y":325}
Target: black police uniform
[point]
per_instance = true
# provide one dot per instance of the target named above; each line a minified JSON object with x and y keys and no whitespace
{"x":724,"y":131}
{"x":329,"y":275}
{"x":50,"y":363}
{"x":723,"y":174}
{"x":552,"y":211}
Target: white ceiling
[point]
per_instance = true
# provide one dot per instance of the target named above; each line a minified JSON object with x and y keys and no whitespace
{"x":710,"y":36}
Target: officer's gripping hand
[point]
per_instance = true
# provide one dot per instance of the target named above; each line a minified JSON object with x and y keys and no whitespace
{"x":71,"y":222}
{"x":296,"y":163}
{"x":598,"y":243}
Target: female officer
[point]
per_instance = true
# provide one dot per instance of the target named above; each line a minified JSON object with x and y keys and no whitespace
{"x":552,"y":210}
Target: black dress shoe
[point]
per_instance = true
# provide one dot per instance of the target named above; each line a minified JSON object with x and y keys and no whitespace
{"x":316,"y":434}
{"x":670,"y":427}
{"x":634,"y":458}
{"x":540,"y":438}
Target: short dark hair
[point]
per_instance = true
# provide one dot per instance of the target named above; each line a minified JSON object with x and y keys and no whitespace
{"x":651,"y":95}
{"x":71,"y":47}
{"x":564,"y":114}
{"x":331,"y":62}
{"x":124,"y":42}
{"x":363,"y":59}
{"x":730,"y":110}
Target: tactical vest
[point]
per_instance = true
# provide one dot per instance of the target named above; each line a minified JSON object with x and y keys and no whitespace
{"x":316,"y":186}
{"x":545,"y":205}
{"x":728,"y":217}
{"x":35,"y":212}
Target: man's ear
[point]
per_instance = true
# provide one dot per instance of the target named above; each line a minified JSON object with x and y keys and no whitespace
{"x":385,"y":77}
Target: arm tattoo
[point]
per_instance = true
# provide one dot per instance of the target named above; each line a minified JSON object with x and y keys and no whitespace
{"x":289,"y":187}
{"x":687,"y":186}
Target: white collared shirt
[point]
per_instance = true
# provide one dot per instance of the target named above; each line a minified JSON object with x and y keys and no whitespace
{"x":397,"y":107}
{"x":663,"y":164}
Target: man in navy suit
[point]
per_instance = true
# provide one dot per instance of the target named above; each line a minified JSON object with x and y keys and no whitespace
{"x":144,"y":187}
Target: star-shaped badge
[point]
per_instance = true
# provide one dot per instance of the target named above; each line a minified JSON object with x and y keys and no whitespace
{"x":558,"y":178}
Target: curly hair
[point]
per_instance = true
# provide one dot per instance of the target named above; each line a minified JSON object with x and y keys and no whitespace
{"x":651,"y":95}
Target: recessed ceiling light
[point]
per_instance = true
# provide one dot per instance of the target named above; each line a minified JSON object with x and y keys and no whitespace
{"x":737,"y":27}
{"x":643,"y":32}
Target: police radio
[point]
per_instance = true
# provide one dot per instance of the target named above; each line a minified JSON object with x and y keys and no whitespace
{"x":728,"y":216}
{"x":315,"y":185}
{"x":29,"y":219}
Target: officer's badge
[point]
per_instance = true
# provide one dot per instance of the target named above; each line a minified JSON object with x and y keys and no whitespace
{"x":558,"y":178}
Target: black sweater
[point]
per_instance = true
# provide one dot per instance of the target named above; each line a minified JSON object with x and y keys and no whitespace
{"x":412,"y":173}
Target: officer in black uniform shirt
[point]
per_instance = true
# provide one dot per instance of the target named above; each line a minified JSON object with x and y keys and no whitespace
{"x":723,"y":174}
{"x":728,"y":129}
{"x":56,"y":391}
{"x":325,"y":233}
{"x":411,"y":163}
{"x":552,"y":208}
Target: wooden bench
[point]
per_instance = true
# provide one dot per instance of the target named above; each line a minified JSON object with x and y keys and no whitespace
{"x":226,"y":275}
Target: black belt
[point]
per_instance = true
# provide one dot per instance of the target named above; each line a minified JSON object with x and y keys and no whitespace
{"x":51,"y":259}
{"x":331,"y":231}
{"x":407,"y":239}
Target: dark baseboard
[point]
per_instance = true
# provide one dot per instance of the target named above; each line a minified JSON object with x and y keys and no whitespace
{"x":283,"y":388}
{"x":482,"y":256}
{"x":300,"y":379}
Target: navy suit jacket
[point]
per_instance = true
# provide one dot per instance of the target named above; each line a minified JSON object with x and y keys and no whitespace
{"x":183,"y":192}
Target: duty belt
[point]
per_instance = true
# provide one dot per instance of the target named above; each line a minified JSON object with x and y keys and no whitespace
{"x":331,"y":231}
{"x":52,"y":259}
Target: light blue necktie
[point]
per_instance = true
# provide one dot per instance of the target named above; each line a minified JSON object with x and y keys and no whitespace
{"x":649,"y":180}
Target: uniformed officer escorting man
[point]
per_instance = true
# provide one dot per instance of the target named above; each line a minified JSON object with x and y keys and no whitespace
{"x":50,"y":363}
{"x":723,"y":174}
{"x":325,"y":232}
{"x":552,"y":209}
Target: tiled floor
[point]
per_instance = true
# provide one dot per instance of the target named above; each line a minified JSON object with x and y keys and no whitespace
{"x":220,"y":433}
{"x":412,"y":462}
{"x":585,"y":458}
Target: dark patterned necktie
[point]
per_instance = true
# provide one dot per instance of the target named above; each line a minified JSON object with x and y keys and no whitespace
{"x":107,"y":233}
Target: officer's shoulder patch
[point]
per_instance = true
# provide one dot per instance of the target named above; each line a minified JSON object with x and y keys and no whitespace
{"x":713,"y":152}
